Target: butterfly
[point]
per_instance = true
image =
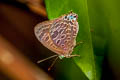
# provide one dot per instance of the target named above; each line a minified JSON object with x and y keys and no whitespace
{"x":59,"y":35}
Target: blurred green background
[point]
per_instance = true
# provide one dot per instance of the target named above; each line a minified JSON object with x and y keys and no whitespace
{"x":99,"y":22}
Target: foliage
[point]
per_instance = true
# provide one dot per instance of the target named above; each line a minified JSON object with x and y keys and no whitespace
{"x":99,"y":31}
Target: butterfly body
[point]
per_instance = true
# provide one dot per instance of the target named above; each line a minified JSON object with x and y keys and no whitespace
{"x":59,"y":35}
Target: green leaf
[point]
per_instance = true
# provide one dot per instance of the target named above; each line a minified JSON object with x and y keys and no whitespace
{"x":102,"y":17}
{"x":86,"y":62}
{"x":105,"y":21}
{"x":100,"y":26}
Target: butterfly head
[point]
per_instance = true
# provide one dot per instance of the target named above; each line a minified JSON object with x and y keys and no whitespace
{"x":71,"y":16}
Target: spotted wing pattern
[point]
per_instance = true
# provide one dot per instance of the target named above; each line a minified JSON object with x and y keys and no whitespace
{"x":63,"y":34}
{"x":42,"y":33}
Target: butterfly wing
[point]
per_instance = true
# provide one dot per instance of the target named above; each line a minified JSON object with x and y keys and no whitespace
{"x":41,"y":31}
{"x":58,"y":35}
{"x":63,"y":34}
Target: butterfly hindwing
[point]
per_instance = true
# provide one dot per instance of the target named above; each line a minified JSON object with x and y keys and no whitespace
{"x":42,"y":33}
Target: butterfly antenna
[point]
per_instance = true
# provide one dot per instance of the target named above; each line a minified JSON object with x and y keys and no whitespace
{"x":52,"y":63}
{"x":46,"y":58}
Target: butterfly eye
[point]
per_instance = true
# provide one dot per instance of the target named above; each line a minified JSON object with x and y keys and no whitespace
{"x":65,"y":17}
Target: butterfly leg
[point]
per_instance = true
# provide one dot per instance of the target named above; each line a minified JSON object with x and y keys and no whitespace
{"x":75,"y":55}
{"x":78,"y":43}
{"x":46,"y":58}
{"x":52,"y":63}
